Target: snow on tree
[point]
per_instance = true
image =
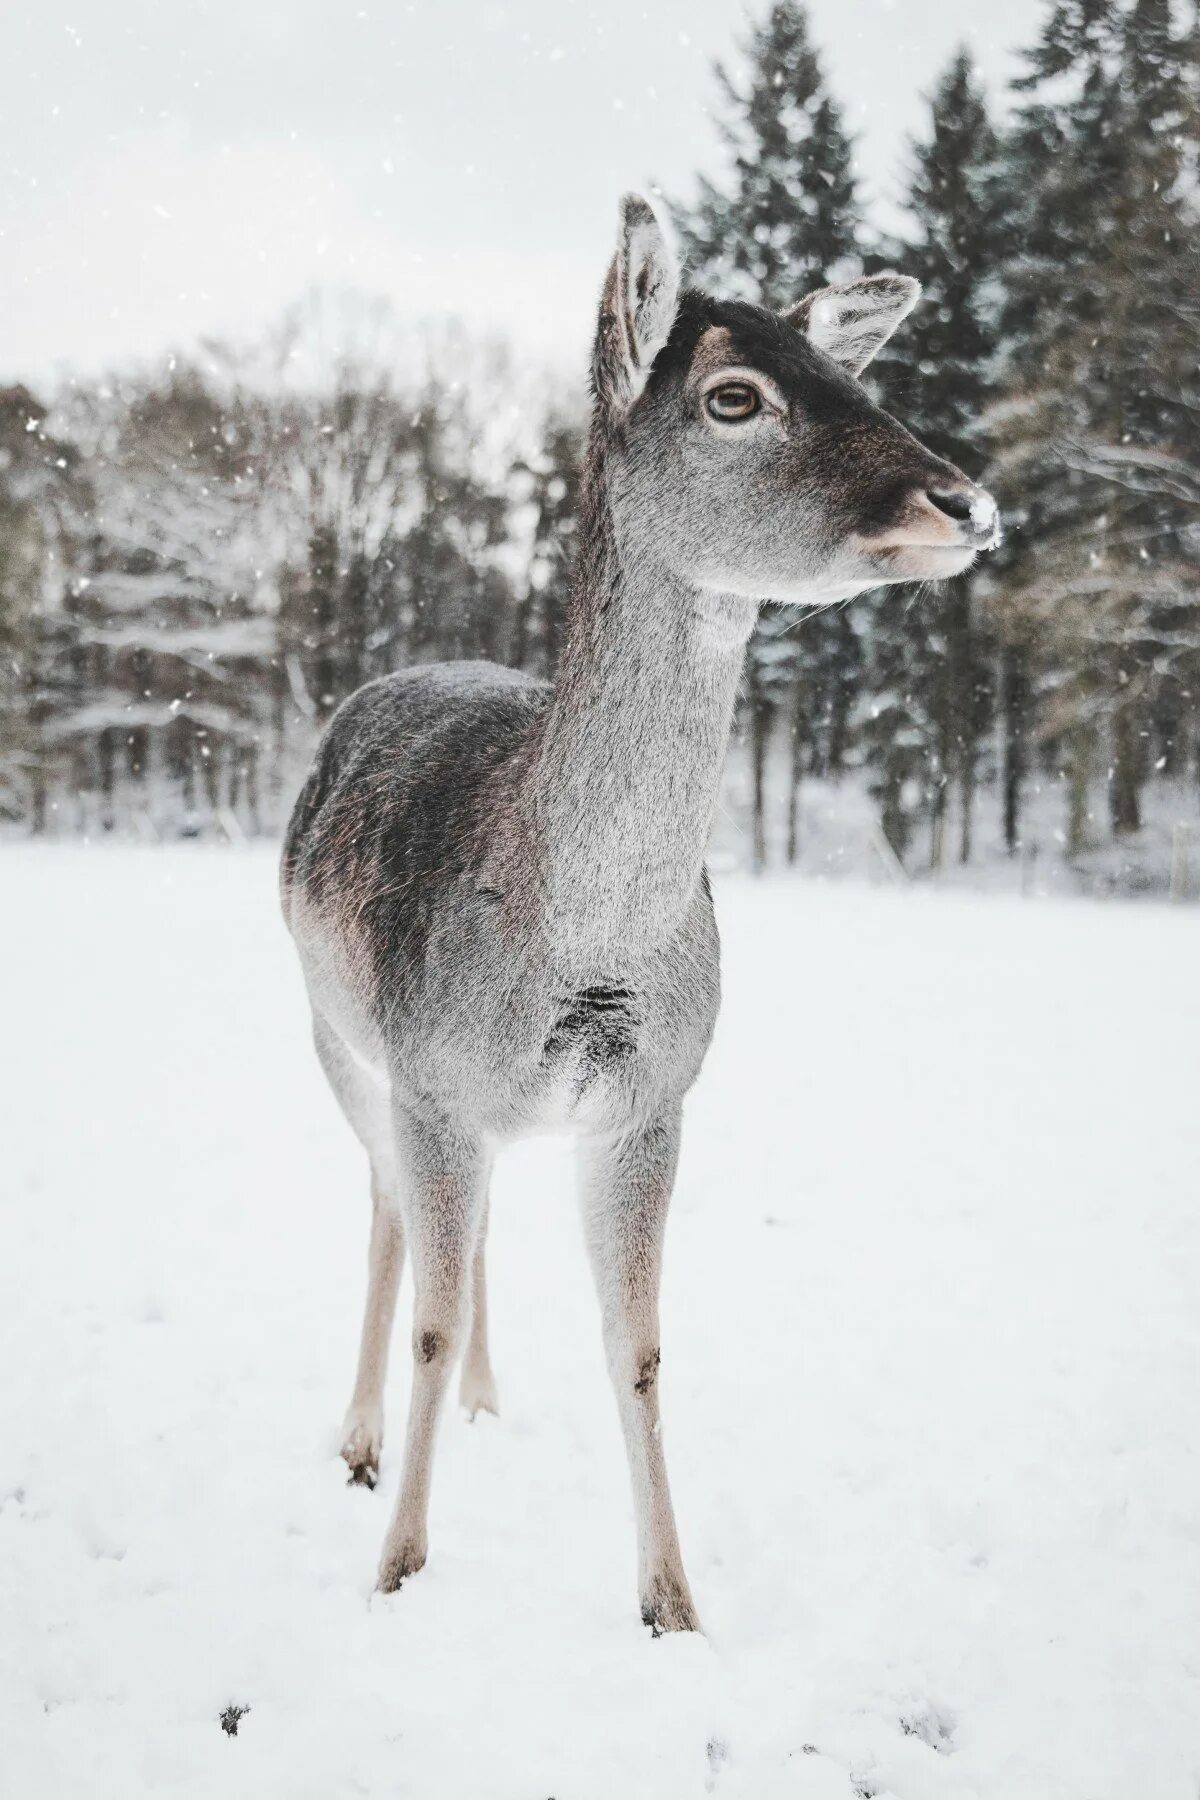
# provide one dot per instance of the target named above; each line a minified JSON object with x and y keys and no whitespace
{"x":1098,"y":428}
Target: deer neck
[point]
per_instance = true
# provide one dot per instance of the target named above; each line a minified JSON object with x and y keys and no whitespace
{"x":627,"y":772}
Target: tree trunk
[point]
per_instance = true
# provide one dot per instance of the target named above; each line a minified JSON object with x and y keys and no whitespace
{"x":279,"y":726}
{"x":759,"y":716}
{"x":960,"y":724}
{"x":893,"y":821}
{"x":106,"y":756}
{"x":967,"y":775}
{"x":759,"y":738}
{"x":795,"y":767}
{"x":211,"y":768}
{"x":252,"y":801}
{"x":1014,"y":683}
{"x":37,"y":796}
{"x":189,"y":774}
{"x":1081,"y":750}
{"x":841,"y":699}
{"x":1124,"y":799}
{"x":937,"y":828}
{"x":518,"y":648}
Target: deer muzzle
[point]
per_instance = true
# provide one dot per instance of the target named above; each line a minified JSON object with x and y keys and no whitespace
{"x":952,"y":520}
{"x":970,"y":509}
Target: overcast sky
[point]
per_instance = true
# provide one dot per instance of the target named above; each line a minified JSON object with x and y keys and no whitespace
{"x":169,"y":170}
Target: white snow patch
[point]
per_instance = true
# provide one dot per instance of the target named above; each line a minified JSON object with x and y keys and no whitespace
{"x":931,"y":1348}
{"x":983,"y":512}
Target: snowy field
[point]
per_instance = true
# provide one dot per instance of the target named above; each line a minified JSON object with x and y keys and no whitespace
{"x":931,"y":1378}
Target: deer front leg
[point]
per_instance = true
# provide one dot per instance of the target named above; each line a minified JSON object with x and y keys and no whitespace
{"x":477,"y":1387}
{"x":626,"y":1190}
{"x":362,"y":1430}
{"x":444,"y":1180}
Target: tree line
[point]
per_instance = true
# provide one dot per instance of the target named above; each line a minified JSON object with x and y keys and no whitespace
{"x":197,"y":563}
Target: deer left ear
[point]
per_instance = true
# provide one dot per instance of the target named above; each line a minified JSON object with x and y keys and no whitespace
{"x":854,"y":320}
{"x":638,"y":306}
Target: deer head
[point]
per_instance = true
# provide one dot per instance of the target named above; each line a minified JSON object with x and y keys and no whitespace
{"x":742,"y":449}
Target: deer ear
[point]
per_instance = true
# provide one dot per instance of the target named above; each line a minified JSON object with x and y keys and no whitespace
{"x":637,"y":309}
{"x":853,"y":321}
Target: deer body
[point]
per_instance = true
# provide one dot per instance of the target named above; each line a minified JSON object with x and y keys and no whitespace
{"x":496,"y":886}
{"x":445,"y":981}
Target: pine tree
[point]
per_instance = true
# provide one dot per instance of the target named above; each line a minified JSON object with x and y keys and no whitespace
{"x":929,"y":694}
{"x":785,"y":219}
{"x":1098,"y":433}
{"x":1152,"y":284}
{"x":1058,"y":160}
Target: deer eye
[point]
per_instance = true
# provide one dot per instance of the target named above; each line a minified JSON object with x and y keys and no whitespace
{"x":732,"y":402}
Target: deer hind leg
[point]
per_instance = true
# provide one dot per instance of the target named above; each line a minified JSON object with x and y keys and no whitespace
{"x":626,"y":1190}
{"x":477,"y":1386}
{"x":362,"y":1428}
{"x":365,"y":1101}
{"x":444,"y":1182}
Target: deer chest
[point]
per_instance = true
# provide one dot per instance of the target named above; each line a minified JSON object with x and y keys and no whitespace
{"x":595,"y":1028}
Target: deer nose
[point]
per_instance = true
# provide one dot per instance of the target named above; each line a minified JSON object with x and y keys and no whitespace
{"x":970,"y":506}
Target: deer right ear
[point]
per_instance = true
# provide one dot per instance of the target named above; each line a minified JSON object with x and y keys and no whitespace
{"x":853,"y":321}
{"x":637,"y":308}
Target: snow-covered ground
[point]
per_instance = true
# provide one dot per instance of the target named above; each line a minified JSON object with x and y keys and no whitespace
{"x":931,"y":1377}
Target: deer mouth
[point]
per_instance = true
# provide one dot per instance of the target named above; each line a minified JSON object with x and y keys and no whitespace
{"x":916,"y":560}
{"x":943,"y":532}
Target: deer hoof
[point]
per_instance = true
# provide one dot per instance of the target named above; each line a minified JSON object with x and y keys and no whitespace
{"x":668,"y":1606}
{"x":398,"y":1564}
{"x":477,"y":1393}
{"x":360,"y":1451}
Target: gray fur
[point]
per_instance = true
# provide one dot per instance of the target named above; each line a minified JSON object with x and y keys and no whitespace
{"x":496,"y":887}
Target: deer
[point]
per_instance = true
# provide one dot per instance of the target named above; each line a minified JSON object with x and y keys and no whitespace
{"x":496,"y":884}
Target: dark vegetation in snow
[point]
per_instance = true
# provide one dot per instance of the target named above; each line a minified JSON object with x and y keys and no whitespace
{"x":932,"y":1727}
{"x":198,"y":562}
